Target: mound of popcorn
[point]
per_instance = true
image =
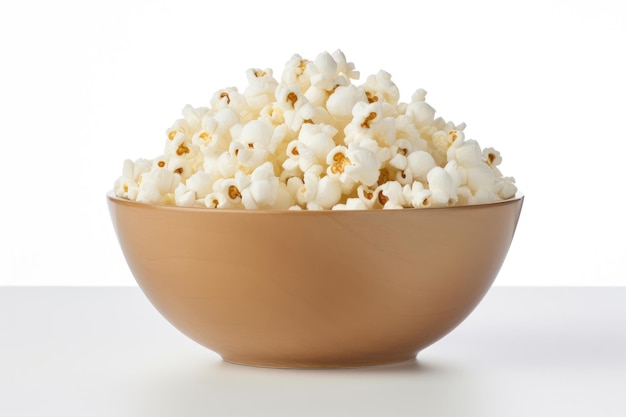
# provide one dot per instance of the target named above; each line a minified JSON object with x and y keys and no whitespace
{"x":315,"y":140}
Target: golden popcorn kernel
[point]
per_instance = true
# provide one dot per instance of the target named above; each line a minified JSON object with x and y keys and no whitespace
{"x":161,"y":164}
{"x":204,"y":136}
{"x":215,"y":203}
{"x":453,"y":135}
{"x":382,"y":198}
{"x":178,"y":171}
{"x":182,"y":149}
{"x":368,"y":119}
{"x":225,"y":94}
{"x":233,"y":192}
{"x":259,"y":74}
{"x":368,"y":194}
{"x":294,"y":151}
{"x":172,"y":134}
{"x":383,"y":177}
{"x":403,"y":151}
{"x":301,"y":67}
{"x":308,"y":121}
{"x":371,"y":98}
{"x":292,"y":97}
{"x":490,"y":158}
{"x":125,"y":188}
{"x":340,"y":163}
{"x":251,"y":145}
{"x":425,"y":202}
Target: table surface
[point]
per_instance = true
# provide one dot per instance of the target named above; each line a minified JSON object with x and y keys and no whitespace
{"x":85,"y":351}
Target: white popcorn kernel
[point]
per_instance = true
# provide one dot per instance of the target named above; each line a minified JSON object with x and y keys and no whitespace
{"x":184,"y":197}
{"x":483,"y":196}
{"x":416,"y":195}
{"x":318,"y":138}
{"x":156,"y":184}
{"x":296,"y":107}
{"x":193,"y":117}
{"x":467,"y":154}
{"x":214,"y":135}
{"x":298,"y":157}
{"x":480,"y":177}
{"x":231,"y":190}
{"x":294,"y":184}
{"x":263,"y":188}
{"x":442,"y":186}
{"x":179,"y":166}
{"x":295,"y":73}
{"x":313,"y":144}
{"x":390,"y":195}
{"x":247,"y":157}
{"x":404,"y":176}
{"x":368,"y":122}
{"x":406,"y":130}
{"x":419,"y":95}
{"x":465,"y":196}
{"x":328,"y":192}
{"x":351,"y":204}
{"x":380,"y":87}
{"x":344,"y":67}
{"x":180,"y":127}
{"x":491,"y":157}
{"x":316,"y":96}
{"x":256,"y":134}
{"x":227,"y":164}
{"x":367,"y":196}
{"x":399,"y":161}
{"x":420,"y":163}
{"x":307,"y":191}
{"x":323,"y":71}
{"x":343,"y":99}
{"x":284,"y":198}
{"x":201,"y":183}
{"x":422,"y":113}
{"x":318,"y":193}
{"x":224,"y":119}
{"x":260,"y":90}
{"x":352,"y":166}
{"x":505,"y":187}
{"x":127,"y":186}
{"x":233,"y":99}
{"x":442,"y":140}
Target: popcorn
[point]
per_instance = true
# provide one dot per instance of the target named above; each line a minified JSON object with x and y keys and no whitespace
{"x":315,"y":139}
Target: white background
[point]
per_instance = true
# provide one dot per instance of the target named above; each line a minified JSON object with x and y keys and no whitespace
{"x":85,"y":85}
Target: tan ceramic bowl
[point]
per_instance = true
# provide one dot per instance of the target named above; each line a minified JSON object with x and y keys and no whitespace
{"x":315,"y":289}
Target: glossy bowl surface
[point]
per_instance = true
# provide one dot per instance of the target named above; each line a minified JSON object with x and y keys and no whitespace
{"x":303,"y":289}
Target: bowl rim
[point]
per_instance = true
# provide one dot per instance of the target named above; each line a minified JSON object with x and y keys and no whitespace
{"x":110,"y":195}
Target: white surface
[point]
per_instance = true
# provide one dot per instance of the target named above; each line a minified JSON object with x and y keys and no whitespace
{"x":106,"y":352}
{"x":85,"y":85}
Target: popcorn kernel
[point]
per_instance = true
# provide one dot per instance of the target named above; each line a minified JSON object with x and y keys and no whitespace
{"x":233,"y":192}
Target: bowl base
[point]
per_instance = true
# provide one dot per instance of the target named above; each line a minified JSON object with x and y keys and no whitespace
{"x":329,"y":364}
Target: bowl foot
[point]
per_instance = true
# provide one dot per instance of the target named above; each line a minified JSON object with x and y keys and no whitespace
{"x":321,"y":364}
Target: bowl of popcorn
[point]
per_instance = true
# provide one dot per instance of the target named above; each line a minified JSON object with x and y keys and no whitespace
{"x":312,"y":221}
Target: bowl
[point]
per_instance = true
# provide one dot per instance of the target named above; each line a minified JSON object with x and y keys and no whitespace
{"x":315,"y":289}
